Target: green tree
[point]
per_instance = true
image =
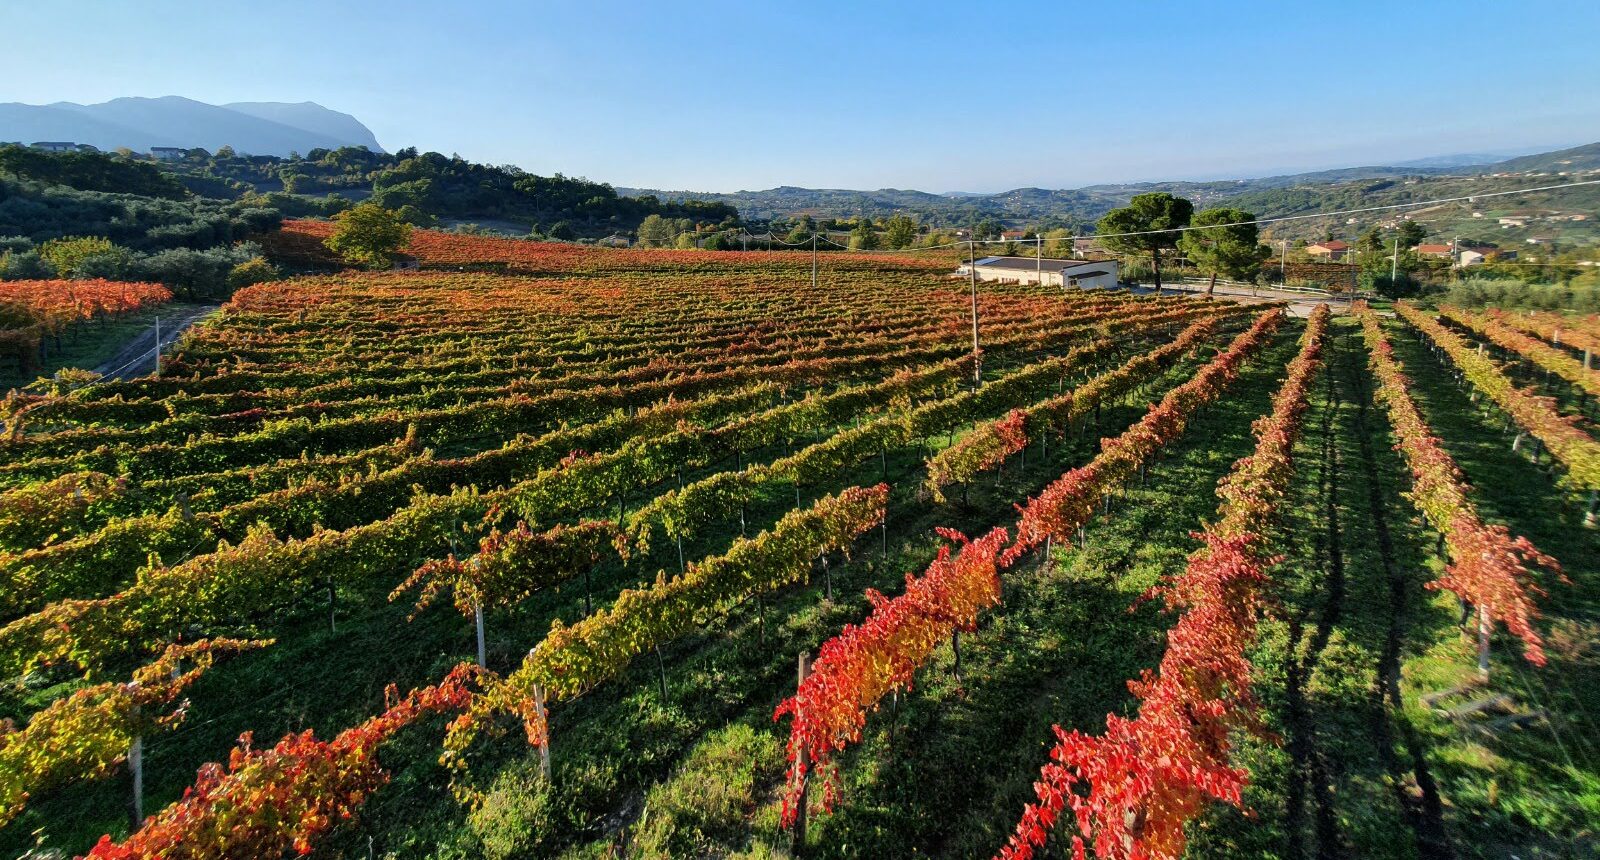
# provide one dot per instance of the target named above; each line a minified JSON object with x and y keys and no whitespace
{"x":1059,"y":243}
{"x":1155,"y":218}
{"x":563,"y":231}
{"x":415,"y":216}
{"x":1226,"y":246}
{"x":863,"y":237}
{"x":901,"y":232}
{"x":1411,"y":234}
{"x":1370,"y":242}
{"x":655,"y":231}
{"x":802,"y":231}
{"x":368,"y":235}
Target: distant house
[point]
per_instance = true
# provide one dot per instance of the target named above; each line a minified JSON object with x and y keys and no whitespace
{"x":56,"y":145}
{"x":1013,"y":235}
{"x":1434,"y":250}
{"x":1332,"y":249}
{"x":169,"y":153}
{"x":1048,"y":271}
{"x":1540,"y":240}
{"x":1509,"y":221}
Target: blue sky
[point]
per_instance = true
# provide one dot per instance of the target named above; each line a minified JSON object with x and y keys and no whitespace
{"x":980,"y":97}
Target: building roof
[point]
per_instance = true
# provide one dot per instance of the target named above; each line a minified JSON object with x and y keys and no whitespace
{"x":1030,"y":263}
{"x":1331,"y":244}
{"x":1433,"y":249}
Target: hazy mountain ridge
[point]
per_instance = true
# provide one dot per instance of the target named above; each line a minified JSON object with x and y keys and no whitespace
{"x":1089,"y":202}
{"x":257,"y":128}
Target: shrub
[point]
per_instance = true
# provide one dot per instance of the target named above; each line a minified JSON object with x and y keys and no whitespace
{"x":64,"y":256}
{"x":24,"y":266}
{"x":255,"y":270}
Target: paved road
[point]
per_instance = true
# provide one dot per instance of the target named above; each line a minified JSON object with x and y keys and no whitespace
{"x":137,"y":357}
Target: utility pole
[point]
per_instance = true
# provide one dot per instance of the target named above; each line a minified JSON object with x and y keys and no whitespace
{"x":1283,"y":264}
{"x":972,"y":273}
{"x":158,"y":344}
{"x":1394,"y":263}
{"x":1038,"y":258}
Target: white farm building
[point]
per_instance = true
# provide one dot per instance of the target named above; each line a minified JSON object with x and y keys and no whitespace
{"x":1049,"y":271}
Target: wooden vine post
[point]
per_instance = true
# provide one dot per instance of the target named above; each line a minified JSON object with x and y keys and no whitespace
{"x":136,"y":768}
{"x":477,"y":617}
{"x":955,"y":651}
{"x":677,"y":474}
{"x":1484,"y":626}
{"x":544,"y":717}
{"x":588,"y":592}
{"x":661,"y":669}
{"x":797,"y":838}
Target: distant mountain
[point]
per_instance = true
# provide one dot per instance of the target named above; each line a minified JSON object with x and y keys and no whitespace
{"x":256,"y":128}
{"x":1464,"y":159}
{"x":1586,"y":157}
{"x":1085,"y":205}
{"x":312,"y":117}
{"x":29,"y":123}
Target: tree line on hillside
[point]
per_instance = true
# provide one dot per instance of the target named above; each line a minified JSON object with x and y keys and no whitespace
{"x":427,"y":187}
{"x":92,"y":215}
